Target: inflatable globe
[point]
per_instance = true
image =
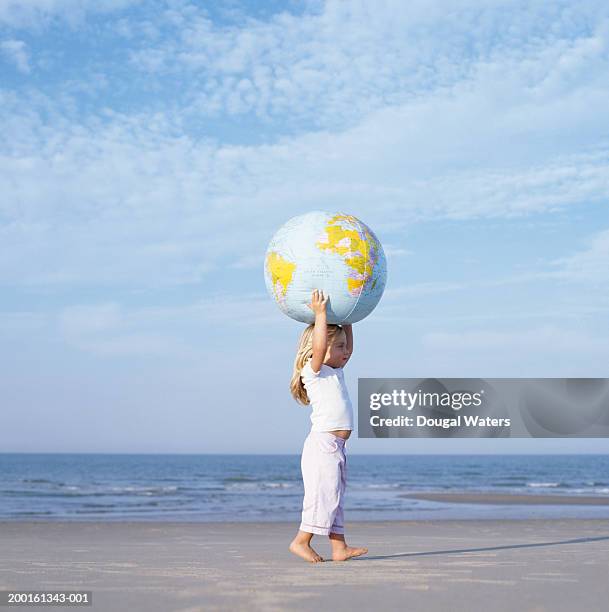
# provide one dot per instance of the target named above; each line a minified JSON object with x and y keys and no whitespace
{"x":331,"y":251}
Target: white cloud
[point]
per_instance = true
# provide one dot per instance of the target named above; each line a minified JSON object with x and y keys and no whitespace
{"x":337,"y":65}
{"x":589,"y":265}
{"x":146,"y":345}
{"x":23,"y":322}
{"x":141,"y":205}
{"x":16,"y":52}
{"x":99,"y":318}
{"x":181,"y":331}
{"x":108,"y":330}
{"x":37,"y":13}
{"x":253,"y":261}
{"x":542,"y":339}
{"x":503,"y":126}
{"x":422,"y":289}
{"x":392,"y":251}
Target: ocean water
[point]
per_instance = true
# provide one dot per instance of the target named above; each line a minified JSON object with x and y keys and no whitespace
{"x":269,"y":487}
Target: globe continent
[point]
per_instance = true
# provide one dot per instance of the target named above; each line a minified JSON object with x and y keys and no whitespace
{"x":331,"y":251}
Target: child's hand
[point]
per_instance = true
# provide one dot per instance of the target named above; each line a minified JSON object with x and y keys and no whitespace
{"x":318,"y":302}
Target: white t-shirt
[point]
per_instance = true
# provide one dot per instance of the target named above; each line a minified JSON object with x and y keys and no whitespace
{"x":329,"y":398}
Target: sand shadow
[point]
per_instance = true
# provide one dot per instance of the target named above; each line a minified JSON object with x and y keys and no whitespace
{"x":480,"y":549}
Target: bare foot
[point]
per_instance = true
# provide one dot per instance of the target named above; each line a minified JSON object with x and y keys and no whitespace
{"x":342,"y":554}
{"x":304,"y":551}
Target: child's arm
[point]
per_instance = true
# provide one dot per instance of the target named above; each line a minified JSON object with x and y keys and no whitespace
{"x":320,"y":331}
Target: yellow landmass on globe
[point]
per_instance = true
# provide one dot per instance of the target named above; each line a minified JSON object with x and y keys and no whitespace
{"x":344,"y":241}
{"x":281,"y":271}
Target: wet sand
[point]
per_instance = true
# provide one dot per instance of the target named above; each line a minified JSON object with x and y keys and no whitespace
{"x":498,"y":498}
{"x":533,"y":565}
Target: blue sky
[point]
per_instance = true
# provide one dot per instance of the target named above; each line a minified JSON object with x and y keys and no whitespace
{"x":151,"y":148}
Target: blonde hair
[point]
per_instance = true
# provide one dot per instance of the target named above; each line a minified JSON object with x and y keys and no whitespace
{"x":303,"y":353}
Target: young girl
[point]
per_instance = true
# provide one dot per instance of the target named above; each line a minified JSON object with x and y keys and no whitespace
{"x":318,"y":379}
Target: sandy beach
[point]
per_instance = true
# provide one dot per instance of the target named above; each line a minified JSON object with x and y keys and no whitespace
{"x":531,"y":565}
{"x":512,"y":499}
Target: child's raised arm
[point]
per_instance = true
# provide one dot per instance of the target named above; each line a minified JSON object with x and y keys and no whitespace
{"x":320,"y":331}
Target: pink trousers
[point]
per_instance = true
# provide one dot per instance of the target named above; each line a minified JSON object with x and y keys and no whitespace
{"x":324,"y":473}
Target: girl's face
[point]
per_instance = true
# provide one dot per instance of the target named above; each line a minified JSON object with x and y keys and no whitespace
{"x":337,"y":354}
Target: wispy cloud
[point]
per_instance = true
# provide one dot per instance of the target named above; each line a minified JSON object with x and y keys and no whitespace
{"x":183,"y":330}
{"x":345,"y":60}
{"x":170,"y":209}
{"x":422,"y":289}
{"x":589,"y":265}
{"x":16,"y":52}
{"x":400,"y":114}
{"x":392,"y":251}
{"x":23,"y":322}
{"x":539,"y":339}
{"x":39,"y":13}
